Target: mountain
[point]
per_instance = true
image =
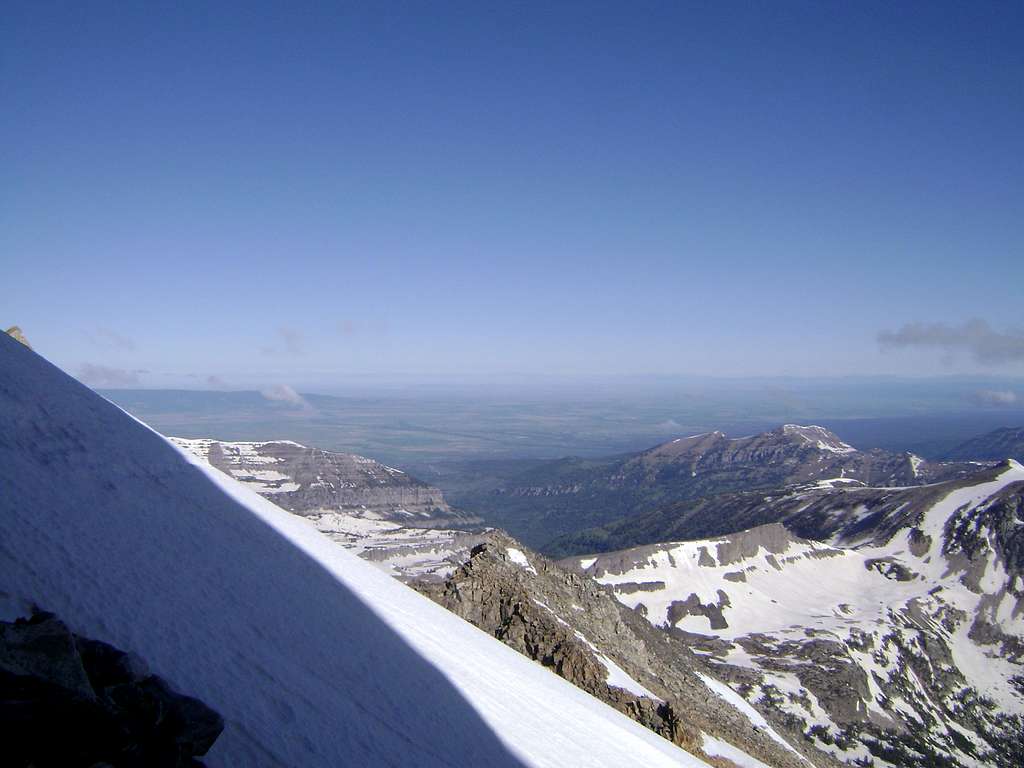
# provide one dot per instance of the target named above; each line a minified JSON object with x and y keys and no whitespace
{"x":572,"y":494}
{"x":400,"y":524}
{"x":310,"y":481}
{"x":1007,"y":442}
{"x":576,"y":628}
{"x":897,"y":639}
{"x":814,"y":510}
{"x":312,"y":656}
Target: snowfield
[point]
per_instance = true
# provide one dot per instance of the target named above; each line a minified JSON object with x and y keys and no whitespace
{"x":914,"y":631}
{"x":313,"y":656}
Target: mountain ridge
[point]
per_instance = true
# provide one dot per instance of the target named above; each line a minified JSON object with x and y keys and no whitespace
{"x":1006,"y":442}
{"x":567,"y":495}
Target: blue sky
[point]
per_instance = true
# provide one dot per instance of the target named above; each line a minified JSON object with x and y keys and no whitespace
{"x":308,"y":193}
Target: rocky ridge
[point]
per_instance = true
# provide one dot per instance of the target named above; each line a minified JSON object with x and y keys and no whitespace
{"x":995,"y":445}
{"x":575,"y":627}
{"x":561,"y":498}
{"x":818,"y":510}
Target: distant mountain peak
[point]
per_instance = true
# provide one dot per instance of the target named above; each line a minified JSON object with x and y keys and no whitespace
{"x":824,"y":439}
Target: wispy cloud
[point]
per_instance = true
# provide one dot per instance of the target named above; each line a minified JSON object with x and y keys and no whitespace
{"x":104,"y":376}
{"x":999,"y":397}
{"x":363,"y":326}
{"x":288,"y":342}
{"x":282,"y":393}
{"x":216,"y":382}
{"x":105,"y":338}
{"x":975,"y":337}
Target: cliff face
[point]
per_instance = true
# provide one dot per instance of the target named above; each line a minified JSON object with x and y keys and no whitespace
{"x":309,"y":481}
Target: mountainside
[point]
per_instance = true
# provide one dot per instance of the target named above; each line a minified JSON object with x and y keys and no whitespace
{"x":312,"y":656}
{"x":401,"y":525}
{"x":815,"y":510}
{"x":899,"y":639}
{"x":996,"y":445}
{"x":563,"y":497}
{"x":570,"y":624}
{"x":310,"y":481}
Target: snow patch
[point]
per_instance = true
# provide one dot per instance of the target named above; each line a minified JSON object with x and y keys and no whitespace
{"x":517,"y":557}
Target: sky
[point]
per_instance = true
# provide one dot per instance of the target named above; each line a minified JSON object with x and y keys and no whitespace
{"x":237,"y":195}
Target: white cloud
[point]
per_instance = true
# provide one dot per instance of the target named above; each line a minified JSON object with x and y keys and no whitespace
{"x":995,"y":397}
{"x":976,"y":337}
{"x":282,"y":393}
{"x":289,"y":343}
{"x":105,"y":376}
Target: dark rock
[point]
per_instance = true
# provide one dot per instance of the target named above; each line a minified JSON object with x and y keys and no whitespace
{"x":70,"y":701}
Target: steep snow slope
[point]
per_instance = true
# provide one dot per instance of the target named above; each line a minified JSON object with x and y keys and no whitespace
{"x":314,"y":657}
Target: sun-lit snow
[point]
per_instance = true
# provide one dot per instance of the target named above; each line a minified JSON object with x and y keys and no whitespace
{"x":756,"y":718}
{"x":717,"y":748}
{"x":774,"y":600}
{"x":517,"y":557}
{"x":314,"y":657}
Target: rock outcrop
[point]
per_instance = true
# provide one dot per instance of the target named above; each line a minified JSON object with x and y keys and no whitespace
{"x":576,"y":628}
{"x":68,"y":701}
{"x":16,"y":333}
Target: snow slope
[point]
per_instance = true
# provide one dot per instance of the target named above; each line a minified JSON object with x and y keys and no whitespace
{"x":313,"y":657}
{"x":910,"y":643}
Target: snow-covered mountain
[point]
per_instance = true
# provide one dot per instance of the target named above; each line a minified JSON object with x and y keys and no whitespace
{"x":899,"y":639}
{"x":312,"y":656}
